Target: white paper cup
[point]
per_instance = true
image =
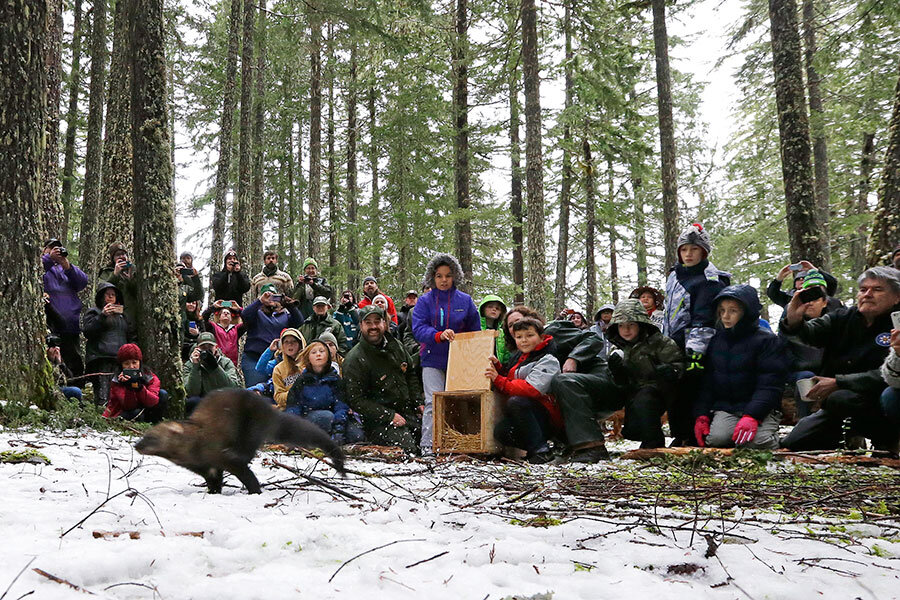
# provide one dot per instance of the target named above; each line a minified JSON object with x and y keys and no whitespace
{"x":895,"y":317}
{"x":803,"y":386}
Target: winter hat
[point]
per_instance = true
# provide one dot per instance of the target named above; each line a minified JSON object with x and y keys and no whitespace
{"x":697,"y":235}
{"x":269,"y":287}
{"x":896,"y":250}
{"x":814,"y":278}
{"x":321,"y":300}
{"x":129,"y":352}
{"x":290,"y":331}
{"x":186,"y":253}
{"x":368,"y":279}
{"x":369,"y":309}
{"x":380,"y":296}
{"x":206,"y":338}
{"x":113,"y":249}
{"x":310,"y":261}
{"x":328,"y":337}
{"x":658,"y":297}
{"x":604,"y":308}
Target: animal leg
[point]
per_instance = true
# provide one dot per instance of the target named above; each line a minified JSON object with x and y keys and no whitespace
{"x":214,"y":481}
{"x":242,"y":471}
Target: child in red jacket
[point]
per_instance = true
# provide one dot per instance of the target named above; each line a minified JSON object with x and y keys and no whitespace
{"x":134,"y":392}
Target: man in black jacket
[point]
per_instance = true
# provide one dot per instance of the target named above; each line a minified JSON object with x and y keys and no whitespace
{"x":855,"y":341}
{"x":231,"y":283}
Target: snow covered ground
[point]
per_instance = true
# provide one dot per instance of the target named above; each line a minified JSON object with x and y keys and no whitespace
{"x":445,"y":531}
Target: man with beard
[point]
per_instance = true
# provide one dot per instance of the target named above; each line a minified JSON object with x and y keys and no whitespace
{"x":370,"y":290}
{"x":381,"y":386}
{"x":311,"y":285}
{"x":271,"y":274}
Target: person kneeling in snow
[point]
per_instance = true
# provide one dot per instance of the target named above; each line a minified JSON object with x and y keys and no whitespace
{"x":746,"y":370}
{"x":134,"y":392}
{"x":531,"y":415}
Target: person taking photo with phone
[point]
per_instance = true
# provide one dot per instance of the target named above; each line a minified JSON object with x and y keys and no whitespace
{"x":231,"y":283}
{"x":798,"y":272}
{"x":265,"y":318}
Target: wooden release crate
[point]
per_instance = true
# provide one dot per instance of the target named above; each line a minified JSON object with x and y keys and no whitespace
{"x":466,"y":413}
{"x":464,"y":422}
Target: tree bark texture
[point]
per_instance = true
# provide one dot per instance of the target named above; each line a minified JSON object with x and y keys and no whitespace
{"x":860,"y":207}
{"x":886,"y":227}
{"x":68,"y":175}
{"x":241,"y":225}
{"x":93,"y":161}
{"x":226,"y":123}
{"x":25,"y":375}
{"x":332,"y":181}
{"x":315,"y":131}
{"x":640,"y":230}
{"x":255,"y":256}
{"x":50,"y":198}
{"x":562,"y":247}
{"x":374,"y":212}
{"x":352,"y":192}
{"x":515,"y":192}
{"x":817,"y":129}
{"x":590,"y":225}
{"x":666,"y":132}
{"x":535,"y":293}
{"x":159,"y":318}
{"x":291,"y":247}
{"x":461,"y":142}
{"x":805,"y":238}
{"x":613,"y":236}
{"x":115,"y":213}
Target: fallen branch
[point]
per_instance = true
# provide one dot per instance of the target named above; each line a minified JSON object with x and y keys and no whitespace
{"x":62,"y":581}
{"x":317,"y":481}
{"x":347,"y":562}
{"x":428,"y":559}
{"x":9,"y":587}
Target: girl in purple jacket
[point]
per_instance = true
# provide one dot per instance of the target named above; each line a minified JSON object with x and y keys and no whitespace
{"x":436,"y":319}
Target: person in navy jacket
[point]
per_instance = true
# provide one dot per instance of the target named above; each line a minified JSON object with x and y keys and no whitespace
{"x":436,"y":319}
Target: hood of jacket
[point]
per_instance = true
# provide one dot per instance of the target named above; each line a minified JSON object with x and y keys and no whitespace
{"x":438,"y":260}
{"x":101,"y":290}
{"x":748,"y":297}
{"x":492,"y":298}
{"x":658,"y":297}
{"x":630,"y":310}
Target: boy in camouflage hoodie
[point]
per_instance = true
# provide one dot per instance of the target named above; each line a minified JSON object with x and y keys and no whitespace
{"x":646,"y":366}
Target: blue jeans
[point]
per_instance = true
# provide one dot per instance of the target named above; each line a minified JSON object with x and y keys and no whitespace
{"x":525,"y":424}
{"x":890,"y":406}
{"x":71,"y":392}
{"x":248,"y":367}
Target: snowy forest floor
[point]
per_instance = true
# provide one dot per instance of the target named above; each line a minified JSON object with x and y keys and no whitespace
{"x":110,"y":522}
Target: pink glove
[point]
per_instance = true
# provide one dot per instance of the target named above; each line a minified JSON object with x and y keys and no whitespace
{"x":745,"y":430}
{"x":701,"y":430}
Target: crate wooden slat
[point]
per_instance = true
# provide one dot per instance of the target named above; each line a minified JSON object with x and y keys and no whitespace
{"x":464,"y":421}
{"x":470,"y":354}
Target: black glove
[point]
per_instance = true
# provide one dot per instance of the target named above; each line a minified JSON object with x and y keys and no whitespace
{"x":666,"y":373}
{"x":617,"y":369}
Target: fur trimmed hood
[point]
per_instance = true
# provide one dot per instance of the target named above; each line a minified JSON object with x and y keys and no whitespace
{"x":439,"y":259}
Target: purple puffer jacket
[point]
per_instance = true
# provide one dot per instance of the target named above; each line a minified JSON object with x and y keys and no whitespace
{"x":437,"y":311}
{"x":63,"y":287}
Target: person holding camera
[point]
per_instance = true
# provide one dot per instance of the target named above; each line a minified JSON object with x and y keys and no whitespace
{"x":120,"y":272}
{"x":107,"y":327}
{"x":798,"y":272}
{"x":62,"y":282}
{"x":347,"y":314}
{"x":271,"y":274}
{"x":310,"y":286}
{"x":231,"y":283}
{"x":134,"y":392}
{"x":190,"y":287}
{"x":265,"y":318}
{"x":206,"y":370}
{"x":223,"y":319}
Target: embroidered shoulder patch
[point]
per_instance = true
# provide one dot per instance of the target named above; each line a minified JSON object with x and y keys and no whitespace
{"x":883,"y":339}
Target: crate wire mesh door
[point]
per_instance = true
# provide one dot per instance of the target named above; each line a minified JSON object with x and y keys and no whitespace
{"x":465,"y":414}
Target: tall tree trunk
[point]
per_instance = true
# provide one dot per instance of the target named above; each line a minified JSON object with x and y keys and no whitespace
{"x":68,"y":175}
{"x":259,"y":146}
{"x":590,"y":225}
{"x":613,"y":236}
{"x":806,"y":240}
{"x":535,"y":293}
{"x":159,"y":321}
{"x":666,"y":132}
{"x":886,"y":227}
{"x":461,"y":142}
{"x":226,"y":123}
{"x":332,"y":182}
{"x":352,"y":193}
{"x":292,"y":209}
{"x":116,"y":214}
{"x":315,"y":129}
{"x":515,"y":192}
{"x":93,"y":161}
{"x":817,"y":128}
{"x":562,"y":248}
{"x":50,"y":200}
{"x":374,"y":211}
{"x":302,"y":188}
{"x":243,"y":204}
{"x":860,"y":208}
{"x":25,"y":375}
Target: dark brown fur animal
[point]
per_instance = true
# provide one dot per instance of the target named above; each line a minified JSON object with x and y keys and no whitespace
{"x":225,"y":431}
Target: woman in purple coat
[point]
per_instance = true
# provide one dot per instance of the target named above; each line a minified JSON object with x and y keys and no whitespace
{"x":436,"y":319}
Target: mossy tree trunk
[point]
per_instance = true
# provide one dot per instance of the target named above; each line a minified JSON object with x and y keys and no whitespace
{"x":886,"y":228}
{"x":50,"y":198}
{"x":460,"y":55}
{"x":24,"y":370}
{"x":860,"y":205}
{"x":154,"y":207}
{"x":315,"y":131}
{"x":590,"y":224}
{"x":68,"y":175}
{"x":331,"y":175}
{"x":255,"y":257}
{"x":515,"y":165}
{"x":565,"y":193}
{"x":374,"y":212}
{"x":352,"y":190}
{"x":240,"y":230}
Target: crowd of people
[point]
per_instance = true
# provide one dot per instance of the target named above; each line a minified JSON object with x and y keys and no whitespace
{"x":697,"y":353}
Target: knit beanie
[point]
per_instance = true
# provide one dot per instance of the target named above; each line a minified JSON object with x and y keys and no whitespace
{"x":697,"y":235}
{"x":310,"y":261}
{"x":129,"y":352}
{"x":327,"y":336}
{"x":814,"y":278}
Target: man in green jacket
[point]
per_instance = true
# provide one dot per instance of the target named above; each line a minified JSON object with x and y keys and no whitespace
{"x":207,"y":370}
{"x":381,"y":386}
{"x":320,"y":321}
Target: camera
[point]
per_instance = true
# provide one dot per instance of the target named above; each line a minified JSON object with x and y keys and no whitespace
{"x":185,"y":273}
{"x":813,"y":293}
{"x":276,"y":298}
{"x":63,"y":251}
{"x":795,"y":267}
{"x":208,"y":360}
{"x":53,"y":341}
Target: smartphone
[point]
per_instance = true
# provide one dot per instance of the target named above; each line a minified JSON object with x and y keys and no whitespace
{"x":813,"y":293}
{"x":796,"y":267}
{"x":185,"y":273}
{"x":192,"y":324}
{"x":895,"y":317}
{"x":276,"y":298}
{"x":226,"y":303}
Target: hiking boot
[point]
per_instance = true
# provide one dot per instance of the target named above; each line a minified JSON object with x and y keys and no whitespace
{"x":590,"y":455}
{"x":541,"y":456}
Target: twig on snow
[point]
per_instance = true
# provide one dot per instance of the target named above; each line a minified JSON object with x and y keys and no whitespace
{"x":62,"y":581}
{"x":347,"y":562}
{"x":428,"y":559}
{"x":17,"y":577}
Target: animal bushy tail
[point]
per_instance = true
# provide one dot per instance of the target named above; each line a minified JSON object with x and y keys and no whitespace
{"x":300,"y":432}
